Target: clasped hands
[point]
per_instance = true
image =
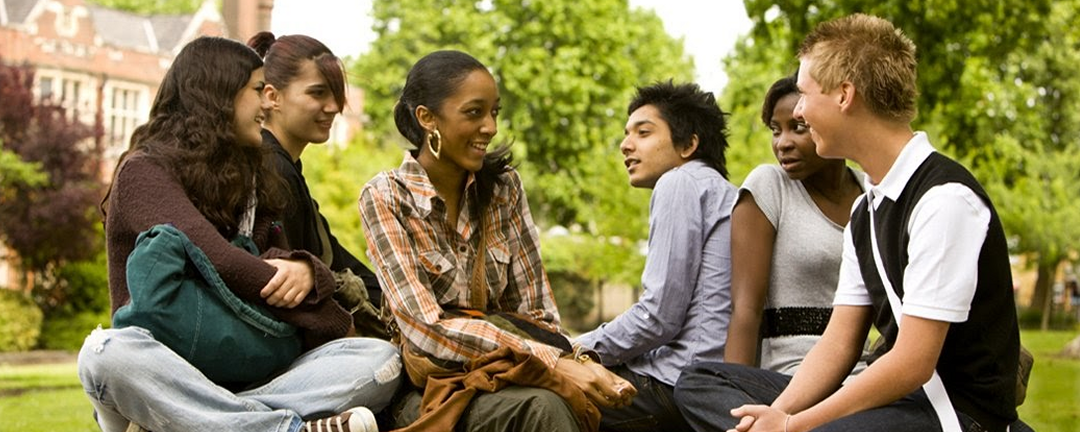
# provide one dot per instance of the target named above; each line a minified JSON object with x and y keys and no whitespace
{"x":602,"y":387}
{"x":760,"y":418}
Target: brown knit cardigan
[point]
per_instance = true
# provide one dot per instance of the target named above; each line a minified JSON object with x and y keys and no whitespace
{"x":145,"y":194}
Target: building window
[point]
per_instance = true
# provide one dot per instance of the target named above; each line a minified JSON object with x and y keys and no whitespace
{"x":45,"y":88}
{"x":123,"y":112}
{"x":75,"y":92}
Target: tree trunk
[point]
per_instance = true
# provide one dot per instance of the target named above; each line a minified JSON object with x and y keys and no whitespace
{"x":1044,"y":293}
{"x":599,"y":306}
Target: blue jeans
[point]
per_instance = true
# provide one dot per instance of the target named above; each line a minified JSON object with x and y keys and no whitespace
{"x":129,"y":376}
{"x":707,"y":392}
{"x":653,"y":408}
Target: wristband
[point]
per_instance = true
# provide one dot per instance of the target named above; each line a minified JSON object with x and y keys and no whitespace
{"x":583,"y":355}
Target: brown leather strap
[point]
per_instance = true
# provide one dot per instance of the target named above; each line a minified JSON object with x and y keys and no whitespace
{"x":478,"y":292}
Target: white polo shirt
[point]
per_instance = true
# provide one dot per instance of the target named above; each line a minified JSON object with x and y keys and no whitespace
{"x":946,"y":229}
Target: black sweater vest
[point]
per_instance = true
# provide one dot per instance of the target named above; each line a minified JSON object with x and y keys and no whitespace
{"x":978,"y":361}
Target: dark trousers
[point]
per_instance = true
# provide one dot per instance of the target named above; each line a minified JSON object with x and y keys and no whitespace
{"x":707,"y":392}
{"x":512,"y":409}
{"x":653,"y":409}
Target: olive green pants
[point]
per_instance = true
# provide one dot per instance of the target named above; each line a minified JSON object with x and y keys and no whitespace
{"x":513,"y":409}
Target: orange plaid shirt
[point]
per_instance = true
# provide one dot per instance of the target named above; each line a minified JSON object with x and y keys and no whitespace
{"x":424,"y":265}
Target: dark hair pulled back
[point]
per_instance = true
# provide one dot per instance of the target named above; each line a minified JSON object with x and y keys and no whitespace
{"x":284,"y":56}
{"x":433,"y":79}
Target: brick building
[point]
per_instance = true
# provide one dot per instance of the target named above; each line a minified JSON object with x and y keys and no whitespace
{"x":105,"y":65}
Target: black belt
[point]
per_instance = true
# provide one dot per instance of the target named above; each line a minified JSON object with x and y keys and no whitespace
{"x":795,"y":321}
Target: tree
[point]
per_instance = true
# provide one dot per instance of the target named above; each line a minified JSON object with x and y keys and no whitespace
{"x":566,"y":70}
{"x":949,"y":34}
{"x":47,"y":223}
{"x":1033,"y":113}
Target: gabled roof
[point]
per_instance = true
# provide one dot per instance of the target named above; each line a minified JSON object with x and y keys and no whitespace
{"x":148,"y":33}
{"x":16,"y":11}
{"x":123,"y":29}
{"x":170,"y":29}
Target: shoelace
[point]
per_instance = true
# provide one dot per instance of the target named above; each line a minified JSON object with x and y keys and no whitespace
{"x":329,"y":422}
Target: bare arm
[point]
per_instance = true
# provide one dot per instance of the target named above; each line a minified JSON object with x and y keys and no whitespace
{"x":753,"y":236}
{"x":901,"y":371}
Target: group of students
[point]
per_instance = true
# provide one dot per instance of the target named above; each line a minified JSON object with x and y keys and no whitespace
{"x":756,"y":304}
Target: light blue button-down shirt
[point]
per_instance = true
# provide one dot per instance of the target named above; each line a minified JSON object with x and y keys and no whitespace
{"x":683,"y":313}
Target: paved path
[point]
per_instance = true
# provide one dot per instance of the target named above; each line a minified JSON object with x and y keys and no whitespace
{"x":37,"y":357}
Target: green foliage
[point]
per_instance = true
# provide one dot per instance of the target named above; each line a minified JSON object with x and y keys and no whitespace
{"x":67,"y":332}
{"x":14,"y":173}
{"x":335,"y":177}
{"x":950,"y":36}
{"x":754,"y":66}
{"x":152,"y":7}
{"x":20,"y":321}
{"x":75,"y":287}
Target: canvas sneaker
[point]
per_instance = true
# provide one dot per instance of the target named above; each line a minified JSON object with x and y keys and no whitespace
{"x":134,"y":427}
{"x":359,"y":419}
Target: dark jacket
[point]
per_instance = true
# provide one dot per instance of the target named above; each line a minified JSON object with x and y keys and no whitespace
{"x":302,"y":216}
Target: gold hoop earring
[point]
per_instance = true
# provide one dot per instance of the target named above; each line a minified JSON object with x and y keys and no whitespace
{"x":434,"y":142}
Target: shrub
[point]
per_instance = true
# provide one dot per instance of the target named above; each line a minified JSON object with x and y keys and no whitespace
{"x":67,"y":332}
{"x":20,"y":321}
{"x":574,"y":296}
{"x":74,"y":287}
{"x":1031,"y":318}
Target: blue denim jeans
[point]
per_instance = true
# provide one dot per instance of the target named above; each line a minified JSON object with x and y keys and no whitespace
{"x":129,"y":376}
{"x":707,"y":392}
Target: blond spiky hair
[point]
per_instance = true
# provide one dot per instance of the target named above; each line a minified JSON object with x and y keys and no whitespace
{"x":870,"y":53}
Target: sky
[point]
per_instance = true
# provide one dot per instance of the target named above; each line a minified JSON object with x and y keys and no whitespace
{"x":710,"y":28}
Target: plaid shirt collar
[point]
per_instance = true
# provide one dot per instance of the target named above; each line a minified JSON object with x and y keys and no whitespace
{"x":419,"y":184}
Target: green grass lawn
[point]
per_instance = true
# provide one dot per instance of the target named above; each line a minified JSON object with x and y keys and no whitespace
{"x":49,"y":397}
{"x":1053,"y":398}
{"x":43,"y":398}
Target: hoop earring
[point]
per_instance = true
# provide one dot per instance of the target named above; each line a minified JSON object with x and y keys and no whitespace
{"x":434,"y":142}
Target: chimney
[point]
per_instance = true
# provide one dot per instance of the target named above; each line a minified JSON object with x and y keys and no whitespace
{"x":244,"y":18}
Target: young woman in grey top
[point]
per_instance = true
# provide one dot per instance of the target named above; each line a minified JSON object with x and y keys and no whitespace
{"x":788,"y":226}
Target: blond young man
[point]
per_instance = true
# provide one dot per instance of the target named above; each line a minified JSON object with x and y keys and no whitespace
{"x":938,"y":243}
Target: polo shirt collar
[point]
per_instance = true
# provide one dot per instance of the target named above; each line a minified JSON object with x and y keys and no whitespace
{"x":911,"y":157}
